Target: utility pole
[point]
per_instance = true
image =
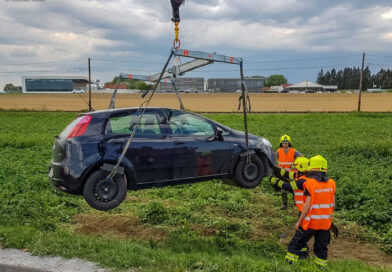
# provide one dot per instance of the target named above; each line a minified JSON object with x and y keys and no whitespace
{"x":89,"y":84}
{"x":360,"y":82}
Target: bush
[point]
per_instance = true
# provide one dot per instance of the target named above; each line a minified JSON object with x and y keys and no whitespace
{"x":154,"y":213}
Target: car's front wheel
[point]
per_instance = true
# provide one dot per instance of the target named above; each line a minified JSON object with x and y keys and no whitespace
{"x":249,"y":175}
{"x":103,"y":194}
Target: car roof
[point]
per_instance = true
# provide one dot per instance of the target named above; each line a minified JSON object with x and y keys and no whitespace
{"x":125,"y":109}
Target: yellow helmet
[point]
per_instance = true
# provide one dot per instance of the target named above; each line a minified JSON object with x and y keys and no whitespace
{"x":285,"y":139}
{"x":318,"y":163}
{"x":301,"y":164}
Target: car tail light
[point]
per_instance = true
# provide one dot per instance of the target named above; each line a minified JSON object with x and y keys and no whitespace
{"x":80,"y":127}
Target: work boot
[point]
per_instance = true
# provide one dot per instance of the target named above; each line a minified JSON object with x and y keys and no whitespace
{"x":284,"y":206}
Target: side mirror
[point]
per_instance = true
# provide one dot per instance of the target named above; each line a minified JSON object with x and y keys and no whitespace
{"x":219,"y":134}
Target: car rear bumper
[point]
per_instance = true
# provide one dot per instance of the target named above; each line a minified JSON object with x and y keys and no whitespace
{"x":62,"y":184}
{"x":55,"y":182}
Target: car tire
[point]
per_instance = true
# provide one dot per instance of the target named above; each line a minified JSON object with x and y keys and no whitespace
{"x":249,"y":175}
{"x":102,"y":194}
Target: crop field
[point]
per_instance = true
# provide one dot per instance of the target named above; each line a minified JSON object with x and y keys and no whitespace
{"x":207,"y":226}
{"x":210,"y":102}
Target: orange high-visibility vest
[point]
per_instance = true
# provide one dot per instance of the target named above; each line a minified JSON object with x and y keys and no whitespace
{"x":299,"y":197}
{"x":286,"y":160}
{"x":322,"y":204}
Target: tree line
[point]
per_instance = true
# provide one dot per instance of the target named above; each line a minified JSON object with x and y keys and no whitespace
{"x":133,"y":84}
{"x":348,"y":78}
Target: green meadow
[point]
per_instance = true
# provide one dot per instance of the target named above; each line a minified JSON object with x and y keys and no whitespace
{"x":209,"y":226}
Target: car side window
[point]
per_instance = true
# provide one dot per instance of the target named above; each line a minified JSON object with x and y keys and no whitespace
{"x":189,"y":124}
{"x":124,"y":124}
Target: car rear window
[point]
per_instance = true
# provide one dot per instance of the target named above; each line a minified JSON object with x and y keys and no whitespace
{"x":149,"y":124}
{"x":68,"y":129}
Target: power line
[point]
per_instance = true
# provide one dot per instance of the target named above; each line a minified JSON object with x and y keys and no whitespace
{"x":305,"y":59}
{"x":16,"y":72}
{"x":232,"y":70}
{"x":37,"y":63}
{"x":127,"y":61}
{"x":380,"y":56}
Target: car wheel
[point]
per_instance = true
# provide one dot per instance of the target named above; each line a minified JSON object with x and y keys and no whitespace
{"x":249,"y":175}
{"x":103,"y":194}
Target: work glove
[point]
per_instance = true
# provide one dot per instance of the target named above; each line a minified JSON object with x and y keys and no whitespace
{"x":274,"y":181}
{"x":276,"y":171}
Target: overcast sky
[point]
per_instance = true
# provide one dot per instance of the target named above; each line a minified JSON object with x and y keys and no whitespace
{"x":291,"y":37}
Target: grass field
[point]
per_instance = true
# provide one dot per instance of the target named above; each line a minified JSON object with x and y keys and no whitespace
{"x":207,"y":226}
{"x":210,"y":102}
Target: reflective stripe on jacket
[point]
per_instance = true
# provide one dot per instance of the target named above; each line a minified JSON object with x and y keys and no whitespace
{"x":299,"y":197}
{"x":286,"y":160}
{"x":322,"y":204}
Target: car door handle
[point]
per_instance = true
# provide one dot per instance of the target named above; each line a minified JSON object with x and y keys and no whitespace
{"x":179,"y":143}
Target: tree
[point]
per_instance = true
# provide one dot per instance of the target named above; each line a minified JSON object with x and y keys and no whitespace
{"x":10,"y":88}
{"x":320,"y":77}
{"x":275,"y":80}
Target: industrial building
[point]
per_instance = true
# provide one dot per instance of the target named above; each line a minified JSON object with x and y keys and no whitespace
{"x":183,"y":84}
{"x":53,"y":84}
{"x":234,"y":84}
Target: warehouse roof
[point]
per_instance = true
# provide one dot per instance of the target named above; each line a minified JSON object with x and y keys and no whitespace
{"x":305,"y":84}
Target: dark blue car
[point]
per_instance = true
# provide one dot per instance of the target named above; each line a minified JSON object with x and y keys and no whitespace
{"x":170,"y":147}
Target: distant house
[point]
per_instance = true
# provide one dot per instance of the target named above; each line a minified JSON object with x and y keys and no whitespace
{"x":279,"y":88}
{"x":306,"y":86}
{"x":113,"y":86}
{"x":376,"y":90}
{"x":330,"y":88}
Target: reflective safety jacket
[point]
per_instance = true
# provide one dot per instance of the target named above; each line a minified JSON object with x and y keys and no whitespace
{"x":295,"y":185}
{"x":286,"y":160}
{"x":322,"y":195}
{"x":298,"y":191}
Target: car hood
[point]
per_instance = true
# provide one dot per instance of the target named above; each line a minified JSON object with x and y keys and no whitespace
{"x":256,"y":142}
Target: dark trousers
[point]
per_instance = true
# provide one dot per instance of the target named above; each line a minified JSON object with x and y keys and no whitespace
{"x":284,"y":197}
{"x":301,"y":238}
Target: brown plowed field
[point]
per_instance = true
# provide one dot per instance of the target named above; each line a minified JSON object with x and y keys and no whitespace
{"x":209,"y":102}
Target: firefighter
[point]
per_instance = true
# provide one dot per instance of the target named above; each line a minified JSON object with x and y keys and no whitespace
{"x":316,"y":216}
{"x":285,"y":156}
{"x":293,"y":182}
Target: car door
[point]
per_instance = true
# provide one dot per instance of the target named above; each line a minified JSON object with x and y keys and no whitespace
{"x":197,"y":152}
{"x":150,"y":150}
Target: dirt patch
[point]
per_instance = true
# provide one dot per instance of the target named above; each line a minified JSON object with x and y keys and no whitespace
{"x":343,"y":247}
{"x":210,"y":102}
{"x":203,"y":230}
{"x":350,"y":249}
{"x":119,"y":225}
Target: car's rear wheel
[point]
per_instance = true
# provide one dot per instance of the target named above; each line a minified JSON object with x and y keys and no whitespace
{"x":249,"y":175}
{"x":103,"y":194}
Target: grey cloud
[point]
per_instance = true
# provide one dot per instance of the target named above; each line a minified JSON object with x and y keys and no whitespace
{"x":142,"y":28}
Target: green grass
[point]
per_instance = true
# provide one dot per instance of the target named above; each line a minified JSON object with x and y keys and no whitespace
{"x":209,"y":226}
